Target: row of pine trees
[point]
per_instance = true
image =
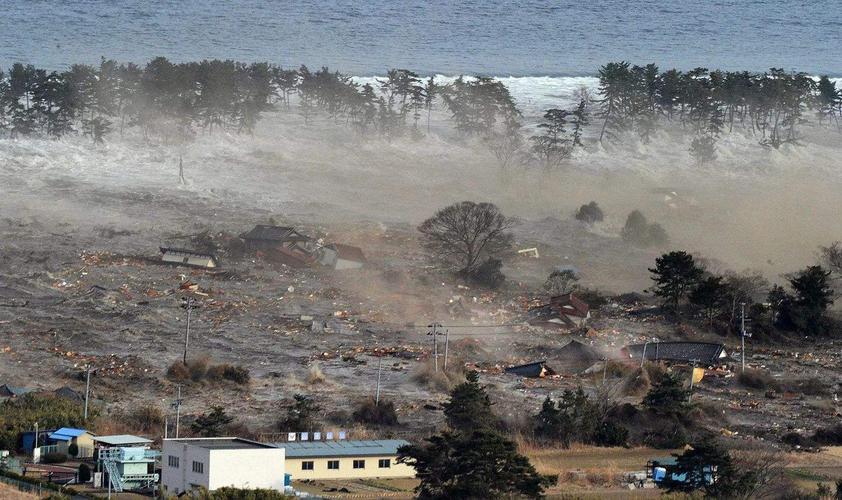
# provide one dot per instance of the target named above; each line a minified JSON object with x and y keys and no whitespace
{"x":178,"y":100}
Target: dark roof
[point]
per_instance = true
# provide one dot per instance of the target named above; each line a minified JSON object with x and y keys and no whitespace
{"x":705,"y":353}
{"x":68,"y":393}
{"x":533,"y":370}
{"x":316,"y":449}
{"x":274,"y":233}
{"x":347,"y":252}
{"x":7,"y":390}
{"x":182,"y":251}
{"x":224,"y":443}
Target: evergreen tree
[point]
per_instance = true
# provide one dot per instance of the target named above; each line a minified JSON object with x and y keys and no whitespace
{"x":212,"y":424}
{"x":469,"y":406}
{"x":675,"y":274}
{"x":478,"y":464}
{"x":301,"y":416}
{"x":812,"y":296}
{"x":668,"y":396}
{"x":552,"y":146}
{"x":711,"y":295}
{"x":708,"y":467}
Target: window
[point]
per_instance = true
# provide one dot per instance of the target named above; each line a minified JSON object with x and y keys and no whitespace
{"x":384,"y":463}
{"x":198,"y":467}
{"x":359,"y":464}
{"x":333,"y":464}
{"x":307,"y":465}
{"x":172,"y":461}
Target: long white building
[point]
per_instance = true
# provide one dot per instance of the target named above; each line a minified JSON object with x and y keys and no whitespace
{"x":212,"y":463}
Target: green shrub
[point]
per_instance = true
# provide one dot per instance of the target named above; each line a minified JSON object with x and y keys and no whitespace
{"x":73,"y":450}
{"x":369,"y":412}
{"x":18,"y":414}
{"x":84,"y":473}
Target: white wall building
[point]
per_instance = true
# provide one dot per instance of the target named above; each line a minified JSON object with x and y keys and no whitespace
{"x":212,"y":463}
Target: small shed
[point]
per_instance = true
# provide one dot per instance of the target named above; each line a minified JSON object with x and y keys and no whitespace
{"x":64,"y":437}
{"x":339,"y":256}
{"x":184,"y":257}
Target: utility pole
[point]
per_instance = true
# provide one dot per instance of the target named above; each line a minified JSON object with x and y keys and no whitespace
{"x":87,"y":389}
{"x":643,"y":357}
{"x":189,"y":306}
{"x":743,"y":336}
{"x":446,"y":332}
{"x":434,"y":333}
{"x":177,"y":406}
{"x":377,"y":393}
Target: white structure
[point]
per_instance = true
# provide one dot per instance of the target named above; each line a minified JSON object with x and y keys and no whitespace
{"x":188,"y":258}
{"x":212,"y":463}
{"x":339,"y":256}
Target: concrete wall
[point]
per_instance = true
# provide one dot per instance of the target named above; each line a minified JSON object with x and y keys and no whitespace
{"x":346,"y":468}
{"x":177,"y":480}
{"x":247,"y":468}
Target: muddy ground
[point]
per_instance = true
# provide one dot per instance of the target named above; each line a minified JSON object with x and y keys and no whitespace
{"x":82,"y":285}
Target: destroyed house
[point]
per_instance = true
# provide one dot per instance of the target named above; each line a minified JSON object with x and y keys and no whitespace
{"x":537,"y":369}
{"x":703,"y":353}
{"x":264,"y":237}
{"x":339,"y":256}
{"x":188,"y":258}
{"x":282,"y":245}
{"x":562,"y":311}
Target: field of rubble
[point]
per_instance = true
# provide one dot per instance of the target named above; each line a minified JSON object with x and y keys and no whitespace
{"x":82,"y":285}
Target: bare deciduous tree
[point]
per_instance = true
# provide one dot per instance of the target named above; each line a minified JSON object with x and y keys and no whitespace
{"x":464,"y":235}
{"x":831,"y":257}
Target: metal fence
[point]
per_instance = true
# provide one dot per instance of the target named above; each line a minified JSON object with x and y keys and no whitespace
{"x":35,"y":489}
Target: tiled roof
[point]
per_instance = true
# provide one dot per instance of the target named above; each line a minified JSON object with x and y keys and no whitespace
{"x":705,"y":353}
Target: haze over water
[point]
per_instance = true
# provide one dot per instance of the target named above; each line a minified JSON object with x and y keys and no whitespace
{"x":493,"y":37}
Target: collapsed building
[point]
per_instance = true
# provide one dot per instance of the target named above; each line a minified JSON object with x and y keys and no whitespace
{"x":280,"y":244}
{"x":701,"y":353}
{"x":563,"y":312}
{"x":180,"y":256}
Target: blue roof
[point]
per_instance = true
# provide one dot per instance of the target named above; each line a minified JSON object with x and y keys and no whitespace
{"x":315,"y":449}
{"x":66,"y":434}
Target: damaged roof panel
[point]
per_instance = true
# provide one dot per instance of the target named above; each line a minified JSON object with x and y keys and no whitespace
{"x":706,"y":353}
{"x":537,"y":369}
{"x":274,"y":233}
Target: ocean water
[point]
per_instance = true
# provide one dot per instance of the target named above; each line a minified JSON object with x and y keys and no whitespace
{"x":492,"y":37}
{"x":542,"y":50}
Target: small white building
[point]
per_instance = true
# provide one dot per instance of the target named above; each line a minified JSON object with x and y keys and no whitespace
{"x":188,"y":258}
{"x":213,"y":463}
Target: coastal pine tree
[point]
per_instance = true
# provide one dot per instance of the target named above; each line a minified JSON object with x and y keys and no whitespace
{"x":469,"y":406}
{"x":675,"y":274}
{"x":552,"y":146}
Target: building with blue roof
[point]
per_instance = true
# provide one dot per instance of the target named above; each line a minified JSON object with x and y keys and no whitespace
{"x":353,"y":459}
{"x":59,"y":441}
